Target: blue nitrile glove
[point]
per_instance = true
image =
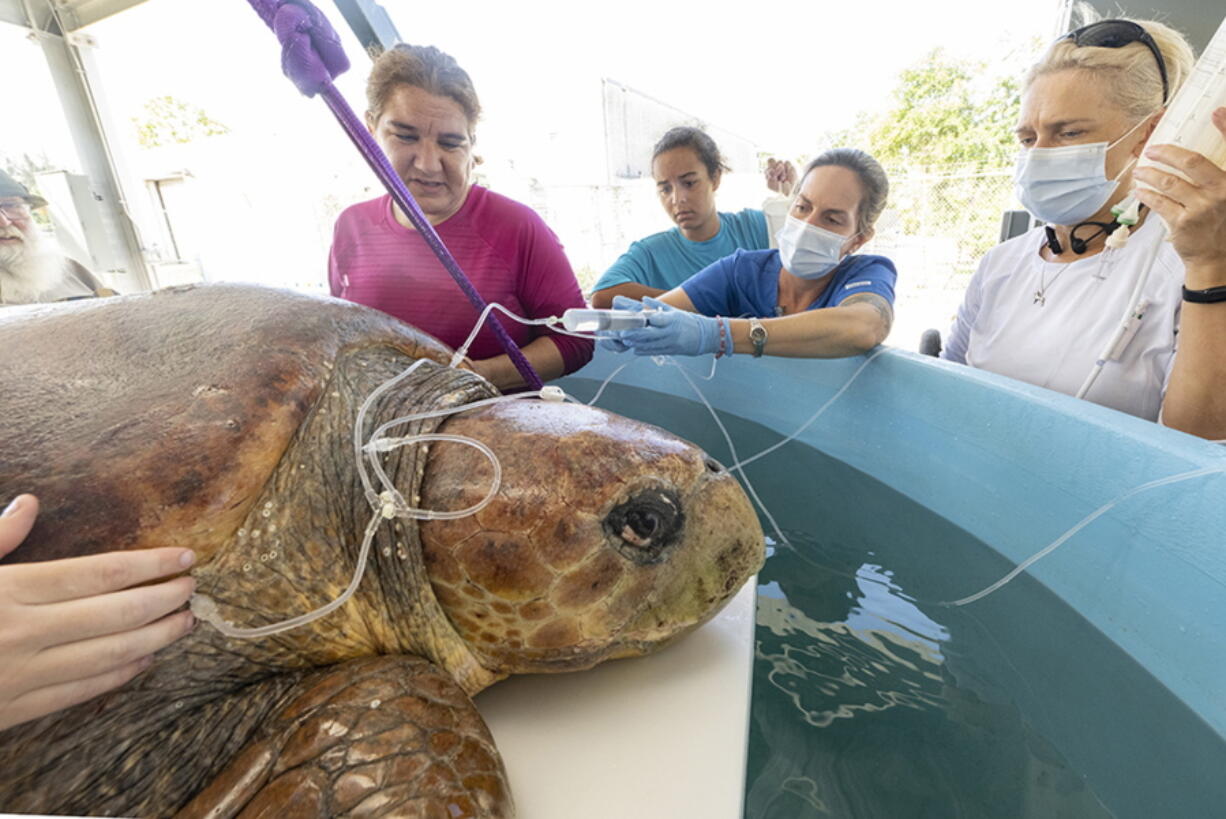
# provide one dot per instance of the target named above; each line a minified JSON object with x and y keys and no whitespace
{"x":609,"y":339}
{"x":670,"y":331}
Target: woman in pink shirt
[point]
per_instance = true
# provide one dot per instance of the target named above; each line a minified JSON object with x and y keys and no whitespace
{"x":423,"y":110}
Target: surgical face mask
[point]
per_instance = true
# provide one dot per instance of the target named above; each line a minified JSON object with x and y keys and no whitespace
{"x":808,"y":251}
{"x":1067,"y":185}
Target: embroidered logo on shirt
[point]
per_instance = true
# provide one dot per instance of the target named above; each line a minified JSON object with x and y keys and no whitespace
{"x":864,"y":283}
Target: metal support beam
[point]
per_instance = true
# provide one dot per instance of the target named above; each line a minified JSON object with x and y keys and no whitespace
{"x":117,"y":255}
{"x":12,"y":12}
{"x":371,"y":23}
{"x":74,"y":13}
{"x":80,"y":13}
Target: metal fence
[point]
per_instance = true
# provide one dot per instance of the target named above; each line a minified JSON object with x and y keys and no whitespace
{"x":937,"y":225}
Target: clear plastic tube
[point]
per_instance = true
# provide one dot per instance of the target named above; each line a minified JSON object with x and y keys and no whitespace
{"x":386,"y":504}
{"x":417,"y":416}
{"x":591,"y":320}
{"x":390,"y":502}
{"x":205,"y":609}
{"x":359,"y":425}
{"x":399,"y":507}
{"x":815,"y":415}
{"x":1128,"y":322}
{"x":552,"y":322}
{"x":732,"y":451}
{"x":1086,"y":521}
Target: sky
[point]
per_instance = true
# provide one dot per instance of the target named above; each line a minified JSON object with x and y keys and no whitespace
{"x":780,"y":74}
{"x":265,"y":197}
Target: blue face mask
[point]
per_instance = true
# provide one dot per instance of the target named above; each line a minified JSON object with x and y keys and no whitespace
{"x":1067,"y":185}
{"x":808,"y":251}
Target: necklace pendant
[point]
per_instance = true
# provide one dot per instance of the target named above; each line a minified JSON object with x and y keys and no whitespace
{"x":1039,"y":299}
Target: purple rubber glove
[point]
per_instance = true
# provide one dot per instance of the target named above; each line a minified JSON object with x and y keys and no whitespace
{"x":670,"y":331}
{"x":610,"y":339}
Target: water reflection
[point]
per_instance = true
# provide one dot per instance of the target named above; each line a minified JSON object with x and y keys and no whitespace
{"x":883,"y":643}
{"x":857,"y":711}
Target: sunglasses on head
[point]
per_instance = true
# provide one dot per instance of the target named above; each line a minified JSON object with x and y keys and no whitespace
{"x":1117,"y":34}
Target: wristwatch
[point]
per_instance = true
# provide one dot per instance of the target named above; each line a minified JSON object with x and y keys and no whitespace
{"x":757,"y":334}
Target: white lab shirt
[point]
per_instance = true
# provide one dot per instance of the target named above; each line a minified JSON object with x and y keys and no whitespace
{"x":1001,"y":328}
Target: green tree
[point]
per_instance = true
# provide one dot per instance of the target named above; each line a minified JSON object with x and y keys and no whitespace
{"x":946,"y":139}
{"x":946,"y":112}
{"x":171,"y":121}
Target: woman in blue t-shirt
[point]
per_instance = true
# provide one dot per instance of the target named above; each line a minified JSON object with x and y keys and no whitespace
{"x":687,"y":167}
{"x":811,"y":297}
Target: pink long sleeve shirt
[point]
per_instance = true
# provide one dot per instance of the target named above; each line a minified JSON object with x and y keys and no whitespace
{"x":506,"y":250}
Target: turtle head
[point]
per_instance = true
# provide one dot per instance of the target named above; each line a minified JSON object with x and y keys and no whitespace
{"x":608,"y":537}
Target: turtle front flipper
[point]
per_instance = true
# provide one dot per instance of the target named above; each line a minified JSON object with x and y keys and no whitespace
{"x":378,"y":736}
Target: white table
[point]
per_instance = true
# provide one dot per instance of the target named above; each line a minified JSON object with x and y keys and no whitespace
{"x":656,"y":737}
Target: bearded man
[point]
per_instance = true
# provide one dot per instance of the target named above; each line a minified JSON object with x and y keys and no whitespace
{"x":32,"y":269}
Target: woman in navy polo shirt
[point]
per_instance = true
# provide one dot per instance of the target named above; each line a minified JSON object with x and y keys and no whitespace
{"x":812,"y":297}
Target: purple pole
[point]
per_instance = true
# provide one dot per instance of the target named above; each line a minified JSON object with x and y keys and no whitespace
{"x":311,"y":56}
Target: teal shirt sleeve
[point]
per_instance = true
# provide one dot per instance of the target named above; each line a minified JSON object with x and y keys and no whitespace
{"x":632,"y":267}
{"x":748,"y":229}
{"x":664,"y":260}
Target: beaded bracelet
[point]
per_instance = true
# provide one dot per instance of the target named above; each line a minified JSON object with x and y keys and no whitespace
{"x":723,"y":337}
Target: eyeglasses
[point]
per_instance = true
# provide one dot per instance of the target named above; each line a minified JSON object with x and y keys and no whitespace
{"x":14,"y":210}
{"x":1117,"y":34}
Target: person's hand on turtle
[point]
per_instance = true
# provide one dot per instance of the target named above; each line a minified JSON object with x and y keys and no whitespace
{"x":610,"y":339}
{"x":670,"y":331}
{"x":1195,"y":211}
{"x":72,"y":629}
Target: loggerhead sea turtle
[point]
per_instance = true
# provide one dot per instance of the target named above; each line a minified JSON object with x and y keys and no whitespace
{"x":220,"y":418}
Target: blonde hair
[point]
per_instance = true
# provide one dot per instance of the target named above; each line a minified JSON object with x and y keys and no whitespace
{"x":1130,"y":73}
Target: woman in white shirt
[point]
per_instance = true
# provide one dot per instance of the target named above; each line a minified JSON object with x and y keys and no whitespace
{"x":1042,"y":307}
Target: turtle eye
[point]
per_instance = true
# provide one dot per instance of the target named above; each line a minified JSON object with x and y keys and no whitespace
{"x":643,"y":526}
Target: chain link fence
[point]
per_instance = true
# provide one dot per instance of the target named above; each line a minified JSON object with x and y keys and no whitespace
{"x":937,"y":225}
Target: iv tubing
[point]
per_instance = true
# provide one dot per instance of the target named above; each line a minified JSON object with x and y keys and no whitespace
{"x":812,"y":417}
{"x":732,"y":450}
{"x":398,"y":506}
{"x":1127,"y":318}
{"x":1086,"y":521}
{"x":552,"y":322}
{"x":385,"y":505}
{"x":372,"y":497}
{"x":205,"y":609}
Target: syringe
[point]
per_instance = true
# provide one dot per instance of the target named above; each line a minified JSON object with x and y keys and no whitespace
{"x":1187,"y":123}
{"x":583,"y":320}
